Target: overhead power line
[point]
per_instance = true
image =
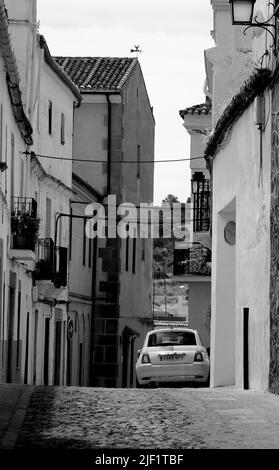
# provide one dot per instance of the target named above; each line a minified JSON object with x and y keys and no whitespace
{"x":81,"y":160}
{"x":141,"y":222}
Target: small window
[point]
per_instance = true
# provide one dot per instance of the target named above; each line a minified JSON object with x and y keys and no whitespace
{"x":48,"y":217}
{"x":84,"y":243}
{"x":143,"y":250}
{"x":127,"y":254}
{"x":134,"y":255}
{"x":50,"y":118}
{"x":138,"y":161}
{"x":90,"y":253}
{"x":62,"y":128}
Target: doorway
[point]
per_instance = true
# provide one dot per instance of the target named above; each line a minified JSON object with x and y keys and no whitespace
{"x":246,"y":348}
{"x":128,"y":345}
{"x":46,"y":351}
{"x":1,"y":303}
{"x":57,"y":356}
{"x":11,"y":320}
{"x":36,"y":316}
{"x":223,"y":299}
{"x":26,"y":350}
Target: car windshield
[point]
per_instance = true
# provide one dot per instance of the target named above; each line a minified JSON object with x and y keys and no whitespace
{"x":172,"y":338}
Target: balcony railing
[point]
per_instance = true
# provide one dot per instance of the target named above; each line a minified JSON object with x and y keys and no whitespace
{"x":52,"y":262}
{"x":24,"y":205}
{"x":192,"y":261}
{"x":24,"y":223}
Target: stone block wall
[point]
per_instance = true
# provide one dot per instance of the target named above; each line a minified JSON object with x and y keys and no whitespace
{"x":106,"y":340}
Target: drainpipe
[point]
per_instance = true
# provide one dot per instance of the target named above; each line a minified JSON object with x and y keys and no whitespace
{"x":108,"y":95}
{"x":95,"y":245}
{"x":109,"y":144}
{"x":94,"y":278}
{"x":93,"y":294}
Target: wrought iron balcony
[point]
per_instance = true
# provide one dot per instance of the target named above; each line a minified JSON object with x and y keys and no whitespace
{"x":24,"y":205}
{"x":52,"y":262}
{"x":192,"y":261}
{"x":24,"y":223}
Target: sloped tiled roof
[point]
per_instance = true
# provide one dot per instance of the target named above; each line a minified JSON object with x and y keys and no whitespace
{"x":98,"y":73}
{"x":204,"y":108}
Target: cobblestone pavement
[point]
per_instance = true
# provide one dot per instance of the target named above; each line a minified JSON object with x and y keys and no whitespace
{"x":162,"y":418}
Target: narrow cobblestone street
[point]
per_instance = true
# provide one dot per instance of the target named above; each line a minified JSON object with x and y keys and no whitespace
{"x":162,"y":418}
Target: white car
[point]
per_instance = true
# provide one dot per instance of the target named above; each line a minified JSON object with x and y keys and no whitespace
{"x":172,"y":355}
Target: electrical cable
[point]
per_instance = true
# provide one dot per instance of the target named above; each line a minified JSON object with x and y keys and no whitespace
{"x":70,"y":159}
{"x":146,"y":208}
{"x":130,"y":221}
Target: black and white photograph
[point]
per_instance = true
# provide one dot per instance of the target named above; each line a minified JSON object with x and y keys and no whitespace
{"x":139,"y":230}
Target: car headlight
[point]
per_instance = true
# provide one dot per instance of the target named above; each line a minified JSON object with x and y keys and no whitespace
{"x":198,"y":357}
{"x":145,"y":359}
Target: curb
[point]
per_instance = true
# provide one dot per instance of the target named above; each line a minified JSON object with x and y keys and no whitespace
{"x":17,"y":418}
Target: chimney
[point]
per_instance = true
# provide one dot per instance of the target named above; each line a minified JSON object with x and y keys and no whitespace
{"x":22,"y":10}
{"x":23,"y":28}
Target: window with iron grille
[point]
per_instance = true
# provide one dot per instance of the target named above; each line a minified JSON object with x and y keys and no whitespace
{"x":45,"y":259}
{"x":62,"y":131}
{"x":50,"y":118}
{"x":201,"y":199}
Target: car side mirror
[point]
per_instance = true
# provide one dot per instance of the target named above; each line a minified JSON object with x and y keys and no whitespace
{"x":208,"y":351}
{"x":138,"y":353}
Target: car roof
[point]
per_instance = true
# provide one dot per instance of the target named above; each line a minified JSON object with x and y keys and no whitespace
{"x":173,"y":329}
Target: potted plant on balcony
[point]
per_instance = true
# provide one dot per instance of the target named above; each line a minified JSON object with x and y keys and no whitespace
{"x":24,"y":228}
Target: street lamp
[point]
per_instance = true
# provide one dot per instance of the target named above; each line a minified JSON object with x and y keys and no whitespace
{"x":194,"y":186}
{"x":197,"y":182}
{"x":243,"y":14}
{"x":242,"y":11}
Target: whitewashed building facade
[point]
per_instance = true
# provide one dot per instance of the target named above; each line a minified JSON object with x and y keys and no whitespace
{"x":242,"y":76}
{"x":36,"y":189}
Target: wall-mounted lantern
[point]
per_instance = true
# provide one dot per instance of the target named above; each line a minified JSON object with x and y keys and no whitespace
{"x":242,"y":11}
{"x":197,"y":182}
{"x":194,"y":184}
{"x":243,"y":14}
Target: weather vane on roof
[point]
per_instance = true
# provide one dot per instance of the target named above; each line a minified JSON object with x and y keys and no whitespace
{"x":136,"y":50}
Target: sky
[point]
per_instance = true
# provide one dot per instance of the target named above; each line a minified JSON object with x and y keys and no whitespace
{"x":172,"y":35}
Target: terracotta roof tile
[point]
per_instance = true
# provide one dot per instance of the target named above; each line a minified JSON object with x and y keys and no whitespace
{"x":98,"y":73}
{"x":204,"y":108}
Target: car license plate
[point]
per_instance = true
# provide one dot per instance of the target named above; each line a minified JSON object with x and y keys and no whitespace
{"x":172,"y":357}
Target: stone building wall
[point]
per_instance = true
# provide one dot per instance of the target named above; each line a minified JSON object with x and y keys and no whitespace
{"x":106,"y":339}
{"x":274,"y":241}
